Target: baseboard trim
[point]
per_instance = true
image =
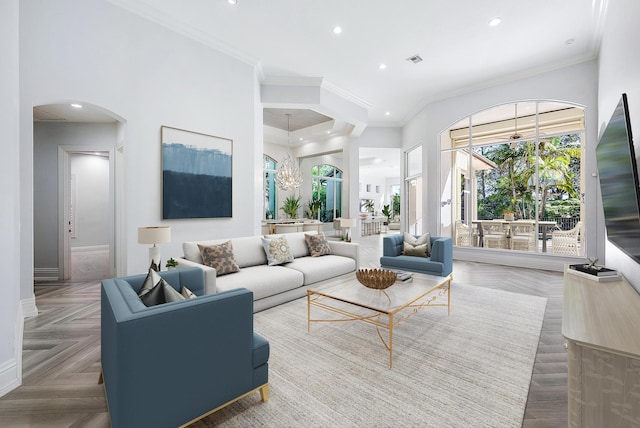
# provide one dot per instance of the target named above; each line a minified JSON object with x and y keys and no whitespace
{"x":28,"y":307}
{"x":11,"y":371}
{"x":45,"y":274}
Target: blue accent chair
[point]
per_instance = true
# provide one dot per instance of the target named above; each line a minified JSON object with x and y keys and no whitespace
{"x":174,"y":363}
{"x":440,"y":263}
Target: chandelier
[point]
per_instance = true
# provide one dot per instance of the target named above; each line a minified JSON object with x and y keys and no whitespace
{"x":288,"y":175}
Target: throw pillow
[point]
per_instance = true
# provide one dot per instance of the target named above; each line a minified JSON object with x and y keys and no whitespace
{"x":220,"y":257}
{"x":161,"y":293}
{"x":155,"y":296}
{"x":318,"y":244}
{"x":170,"y":293}
{"x":419,"y":247}
{"x":150,"y":281}
{"x":188,"y":294}
{"x":277,"y":250}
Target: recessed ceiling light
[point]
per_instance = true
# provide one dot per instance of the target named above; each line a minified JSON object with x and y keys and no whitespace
{"x":328,"y":132}
{"x":301,"y":139}
{"x":495,"y":21}
{"x":387,"y":113}
{"x":76,"y":105}
{"x":382,"y":66}
{"x":337,"y":29}
{"x":232,"y":1}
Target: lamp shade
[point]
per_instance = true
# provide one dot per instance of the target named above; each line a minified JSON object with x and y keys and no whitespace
{"x":154,"y":235}
{"x":347,"y":222}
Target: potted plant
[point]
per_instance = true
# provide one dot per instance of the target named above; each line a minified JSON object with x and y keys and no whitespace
{"x":171,"y":264}
{"x":313,"y":206}
{"x":508,"y":215}
{"x":386,"y":211}
{"x":290,"y":206}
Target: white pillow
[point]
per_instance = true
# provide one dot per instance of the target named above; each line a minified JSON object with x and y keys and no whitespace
{"x":277,"y":250}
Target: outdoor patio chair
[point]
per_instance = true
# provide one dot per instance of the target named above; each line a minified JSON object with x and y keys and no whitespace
{"x":566,"y":242}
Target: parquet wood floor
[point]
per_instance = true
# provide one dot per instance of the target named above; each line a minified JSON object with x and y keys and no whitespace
{"x":61,"y":349}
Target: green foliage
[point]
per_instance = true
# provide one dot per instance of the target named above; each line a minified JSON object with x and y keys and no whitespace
{"x":313,"y":206}
{"x":563,"y":208}
{"x":386,"y":211}
{"x":396,"y":205}
{"x":290,"y":206}
{"x":171,"y":263}
{"x":529,"y":175}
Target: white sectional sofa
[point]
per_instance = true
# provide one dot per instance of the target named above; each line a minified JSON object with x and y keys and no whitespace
{"x":273,"y":285}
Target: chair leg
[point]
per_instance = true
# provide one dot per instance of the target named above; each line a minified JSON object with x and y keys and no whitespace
{"x":264,"y":393}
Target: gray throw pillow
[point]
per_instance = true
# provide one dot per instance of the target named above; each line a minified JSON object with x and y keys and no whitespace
{"x":150,"y":281}
{"x":170,"y":293}
{"x":418,"y":247}
{"x":277,"y":250}
{"x":155,"y":296}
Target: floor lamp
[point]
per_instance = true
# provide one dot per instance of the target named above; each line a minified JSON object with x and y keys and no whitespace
{"x":154,"y":235}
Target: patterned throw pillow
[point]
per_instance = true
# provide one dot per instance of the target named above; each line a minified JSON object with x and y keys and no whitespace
{"x":220,"y":257}
{"x":418,"y":247}
{"x":277,"y":250}
{"x":150,"y":281}
{"x":318,"y":245}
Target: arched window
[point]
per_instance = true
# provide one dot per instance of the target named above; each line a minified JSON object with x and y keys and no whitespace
{"x":326,"y":187}
{"x":511,"y":175}
{"x":270,"y":167}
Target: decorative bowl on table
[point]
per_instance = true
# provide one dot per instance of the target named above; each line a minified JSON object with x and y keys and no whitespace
{"x":378,"y":279}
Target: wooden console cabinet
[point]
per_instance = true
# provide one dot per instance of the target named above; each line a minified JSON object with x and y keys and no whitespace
{"x":601,"y":325}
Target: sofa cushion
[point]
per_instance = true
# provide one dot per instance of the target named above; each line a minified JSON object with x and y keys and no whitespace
{"x":262,"y":280}
{"x":220,"y":257}
{"x":414,"y":264}
{"x":317,"y":269}
{"x":317,"y":244}
{"x":418,"y":247}
{"x":277,"y":250}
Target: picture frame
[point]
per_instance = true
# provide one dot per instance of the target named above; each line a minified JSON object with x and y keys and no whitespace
{"x":197,"y":174}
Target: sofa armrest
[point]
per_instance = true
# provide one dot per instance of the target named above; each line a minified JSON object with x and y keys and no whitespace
{"x":209,"y":273}
{"x":442,"y":251}
{"x":346,"y":249}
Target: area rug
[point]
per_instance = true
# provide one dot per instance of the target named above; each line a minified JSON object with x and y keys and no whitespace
{"x":469,"y":369}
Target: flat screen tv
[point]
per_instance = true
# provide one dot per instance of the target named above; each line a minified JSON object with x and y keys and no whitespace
{"x":618,"y":172}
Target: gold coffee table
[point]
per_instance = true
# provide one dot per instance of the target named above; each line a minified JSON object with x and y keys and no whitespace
{"x":385,"y":309}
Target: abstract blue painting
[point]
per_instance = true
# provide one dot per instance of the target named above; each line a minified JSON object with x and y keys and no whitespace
{"x":196,"y":174}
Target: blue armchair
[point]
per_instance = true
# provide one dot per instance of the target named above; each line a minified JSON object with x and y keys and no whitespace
{"x":440,"y":263}
{"x":172,"y":364}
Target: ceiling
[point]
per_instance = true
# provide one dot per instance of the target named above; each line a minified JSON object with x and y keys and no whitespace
{"x":294,"y":39}
{"x":290,"y":40}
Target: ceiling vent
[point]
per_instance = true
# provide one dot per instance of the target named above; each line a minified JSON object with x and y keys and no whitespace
{"x":415,"y":59}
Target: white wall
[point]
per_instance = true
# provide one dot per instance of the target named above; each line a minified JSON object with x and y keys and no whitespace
{"x":46,"y":139}
{"x":574,"y":84}
{"x":10,"y":310}
{"x":618,"y":73}
{"x":149,"y":76}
